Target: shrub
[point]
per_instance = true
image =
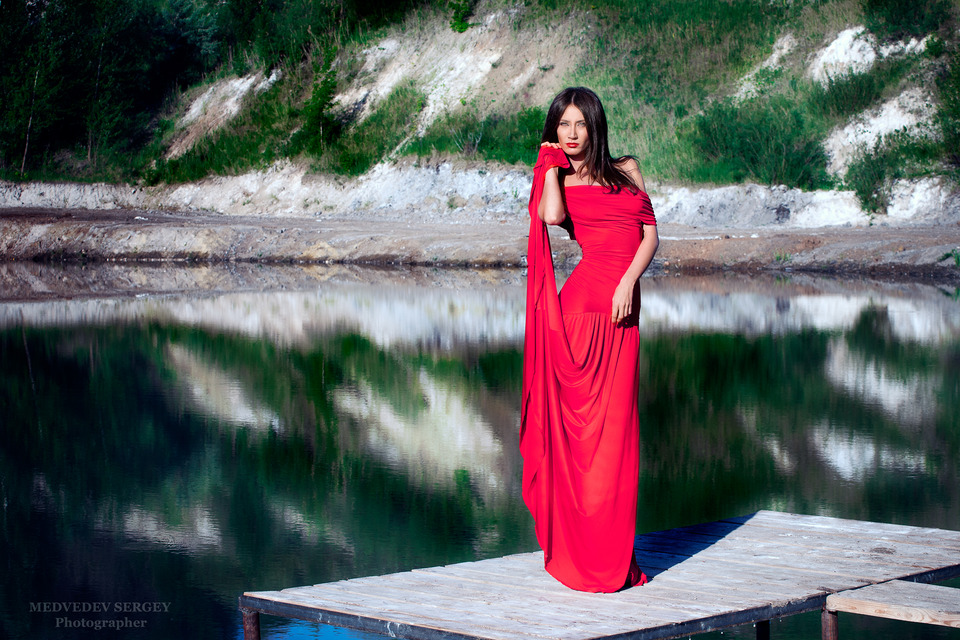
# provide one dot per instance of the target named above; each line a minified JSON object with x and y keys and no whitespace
{"x":898,"y":19}
{"x":319,"y":126}
{"x":462,"y":10}
{"x":255,"y":138}
{"x":772,"y":142}
{"x":897,"y":156}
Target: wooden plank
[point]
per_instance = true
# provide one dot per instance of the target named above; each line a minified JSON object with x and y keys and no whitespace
{"x":933,"y":541}
{"x":842,"y":570}
{"x":646,"y":601}
{"x":704,"y":577}
{"x":821,"y":544}
{"x":870,"y":548}
{"x":372,"y":620}
{"x":543,"y":596}
{"x":424,"y":628}
{"x":900,"y":600}
{"x":549,"y":595}
{"x":495,"y":612}
{"x":690,"y":597}
{"x":919,"y":536}
{"x":906,"y":560}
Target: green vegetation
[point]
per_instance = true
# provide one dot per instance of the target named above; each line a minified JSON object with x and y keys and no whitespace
{"x":897,"y":156}
{"x":895,"y":19}
{"x":252,"y":140}
{"x":772,"y":142}
{"x":95,"y":91}
{"x":366,"y":143}
{"x":462,"y":10}
{"x":85,"y":94}
{"x":949,"y":112}
{"x":850,"y":94}
{"x":510,"y":138}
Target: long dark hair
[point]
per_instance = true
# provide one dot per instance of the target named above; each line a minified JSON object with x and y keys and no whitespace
{"x":597,"y":162}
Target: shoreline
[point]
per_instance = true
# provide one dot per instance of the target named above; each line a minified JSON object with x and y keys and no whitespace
{"x":927,"y":252}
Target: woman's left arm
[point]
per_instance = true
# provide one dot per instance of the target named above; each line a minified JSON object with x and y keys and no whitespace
{"x":623,"y":295}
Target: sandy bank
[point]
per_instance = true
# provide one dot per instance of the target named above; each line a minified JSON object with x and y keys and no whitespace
{"x":918,"y":251}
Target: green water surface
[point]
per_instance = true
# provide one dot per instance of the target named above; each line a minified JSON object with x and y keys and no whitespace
{"x":155,"y":457}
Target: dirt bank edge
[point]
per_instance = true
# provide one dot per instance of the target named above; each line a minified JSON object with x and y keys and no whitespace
{"x":927,"y":252}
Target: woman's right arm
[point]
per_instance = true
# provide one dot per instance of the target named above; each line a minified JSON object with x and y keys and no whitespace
{"x":551,"y":208}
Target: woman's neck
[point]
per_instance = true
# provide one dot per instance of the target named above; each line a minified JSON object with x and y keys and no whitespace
{"x":576,"y":163}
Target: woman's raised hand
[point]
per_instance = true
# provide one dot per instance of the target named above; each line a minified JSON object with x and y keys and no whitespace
{"x":552,"y":145}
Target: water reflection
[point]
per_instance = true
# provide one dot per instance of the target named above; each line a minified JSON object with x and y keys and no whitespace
{"x":185,"y":448}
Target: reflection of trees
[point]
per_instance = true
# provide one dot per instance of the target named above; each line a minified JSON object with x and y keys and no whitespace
{"x":730,"y":424}
{"x":119,"y":484}
{"x":694,"y":392}
{"x":99,"y":441}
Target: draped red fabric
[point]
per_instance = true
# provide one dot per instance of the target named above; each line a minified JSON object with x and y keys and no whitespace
{"x":579,"y":432}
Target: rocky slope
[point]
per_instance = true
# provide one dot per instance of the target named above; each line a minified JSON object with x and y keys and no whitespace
{"x":461,"y":212}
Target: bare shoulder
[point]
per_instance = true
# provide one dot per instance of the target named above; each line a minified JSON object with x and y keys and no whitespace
{"x":630,"y":167}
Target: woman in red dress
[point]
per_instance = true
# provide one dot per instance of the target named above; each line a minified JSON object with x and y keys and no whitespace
{"x":579,"y":433}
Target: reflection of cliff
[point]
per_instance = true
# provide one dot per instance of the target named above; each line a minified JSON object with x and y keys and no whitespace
{"x":919,"y":319}
{"x":889,"y":391}
{"x":216,"y":394}
{"x":907,"y":398}
{"x":434,"y":446}
{"x":855,"y":457}
{"x":485,"y":309}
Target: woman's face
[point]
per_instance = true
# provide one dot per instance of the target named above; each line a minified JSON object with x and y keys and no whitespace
{"x":572,"y":132}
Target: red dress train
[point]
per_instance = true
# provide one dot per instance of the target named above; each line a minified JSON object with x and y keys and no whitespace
{"x":579,"y":432}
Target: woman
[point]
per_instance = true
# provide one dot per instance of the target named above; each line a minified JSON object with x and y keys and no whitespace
{"x":579,"y":433}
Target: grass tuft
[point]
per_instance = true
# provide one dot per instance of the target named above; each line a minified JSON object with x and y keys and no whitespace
{"x":849,"y":94}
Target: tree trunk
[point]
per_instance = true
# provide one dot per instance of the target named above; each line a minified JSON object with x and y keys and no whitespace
{"x":26,"y":142}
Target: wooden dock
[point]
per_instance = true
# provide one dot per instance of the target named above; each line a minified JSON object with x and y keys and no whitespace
{"x":705,"y":577}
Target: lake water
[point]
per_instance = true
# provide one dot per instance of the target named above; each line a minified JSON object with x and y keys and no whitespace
{"x":168,"y":451}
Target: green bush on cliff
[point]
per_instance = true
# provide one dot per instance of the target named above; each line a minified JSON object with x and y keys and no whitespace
{"x":254,"y":139}
{"x":770,"y":141}
{"x":319,"y":127}
{"x":871,"y":176}
{"x":846,"y":95}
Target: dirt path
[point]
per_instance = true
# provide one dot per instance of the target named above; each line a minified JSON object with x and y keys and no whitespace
{"x":73,"y":235}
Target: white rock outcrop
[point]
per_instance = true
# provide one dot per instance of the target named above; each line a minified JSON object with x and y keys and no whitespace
{"x":855,"y":50}
{"x":852,"y":51}
{"x":216,"y":106}
{"x":910,"y":112}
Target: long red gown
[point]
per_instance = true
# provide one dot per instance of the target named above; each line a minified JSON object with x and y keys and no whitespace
{"x":579,"y":433}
